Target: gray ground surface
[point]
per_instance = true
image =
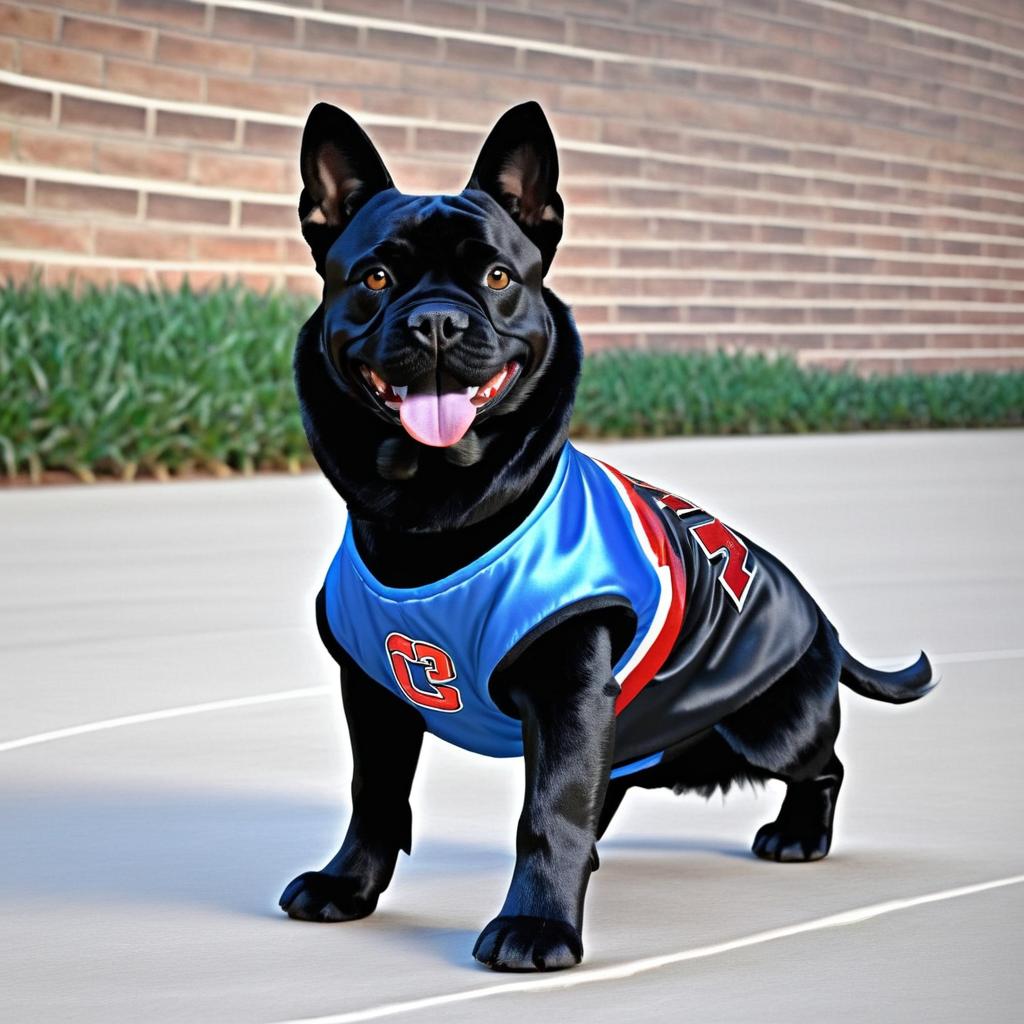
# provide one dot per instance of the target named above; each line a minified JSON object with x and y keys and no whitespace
{"x":140,"y":866}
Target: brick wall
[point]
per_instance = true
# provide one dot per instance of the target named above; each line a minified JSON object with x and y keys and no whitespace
{"x":842,"y":179}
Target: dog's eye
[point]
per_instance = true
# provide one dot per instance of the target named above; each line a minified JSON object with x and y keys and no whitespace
{"x":377,"y":279}
{"x":497,"y":279}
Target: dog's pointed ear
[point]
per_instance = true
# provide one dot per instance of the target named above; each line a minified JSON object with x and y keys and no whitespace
{"x":518,"y":166}
{"x":341,"y":170}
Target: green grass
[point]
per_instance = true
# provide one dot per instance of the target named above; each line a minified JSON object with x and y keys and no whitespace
{"x":656,"y":394}
{"x":122,"y":382}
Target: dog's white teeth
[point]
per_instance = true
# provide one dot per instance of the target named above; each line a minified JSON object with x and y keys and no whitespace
{"x":400,"y":390}
{"x":490,"y":389}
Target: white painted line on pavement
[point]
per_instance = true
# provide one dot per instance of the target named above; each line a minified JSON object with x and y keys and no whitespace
{"x":957,"y":656}
{"x":892,"y":663}
{"x":314,"y":691}
{"x":634,"y":967}
{"x":156,"y":716}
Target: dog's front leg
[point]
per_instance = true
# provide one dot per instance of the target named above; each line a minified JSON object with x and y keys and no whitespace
{"x":564,"y":691}
{"x":386,"y":737}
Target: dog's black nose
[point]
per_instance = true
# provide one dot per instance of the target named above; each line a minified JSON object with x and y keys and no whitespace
{"x":438,"y":326}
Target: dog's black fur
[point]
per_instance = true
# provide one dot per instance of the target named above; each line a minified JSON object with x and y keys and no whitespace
{"x":419,"y":513}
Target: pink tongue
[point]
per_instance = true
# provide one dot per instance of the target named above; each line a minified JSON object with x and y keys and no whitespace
{"x":437,"y":419}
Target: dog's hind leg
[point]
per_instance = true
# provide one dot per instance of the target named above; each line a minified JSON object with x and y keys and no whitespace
{"x":803,"y":829}
{"x":789,"y":732}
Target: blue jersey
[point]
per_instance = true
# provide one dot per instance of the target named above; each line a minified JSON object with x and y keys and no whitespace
{"x":595,"y":538}
{"x":437,"y":645}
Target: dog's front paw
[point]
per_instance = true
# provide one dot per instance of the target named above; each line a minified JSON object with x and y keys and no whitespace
{"x":528,"y":944}
{"x":785,"y":844}
{"x":316,"y":896}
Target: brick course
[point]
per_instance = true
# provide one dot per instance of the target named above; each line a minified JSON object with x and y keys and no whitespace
{"x":779,"y":174}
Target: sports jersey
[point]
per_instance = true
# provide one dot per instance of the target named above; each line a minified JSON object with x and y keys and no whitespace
{"x":714,"y":619}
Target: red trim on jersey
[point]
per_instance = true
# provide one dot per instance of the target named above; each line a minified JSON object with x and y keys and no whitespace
{"x":660,"y":544}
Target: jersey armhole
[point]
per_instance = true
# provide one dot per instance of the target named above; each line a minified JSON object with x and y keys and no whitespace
{"x":623,"y":632}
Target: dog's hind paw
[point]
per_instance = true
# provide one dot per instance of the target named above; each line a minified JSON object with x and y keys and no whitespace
{"x":776,"y":842}
{"x":528,"y":944}
{"x":315,"y":896}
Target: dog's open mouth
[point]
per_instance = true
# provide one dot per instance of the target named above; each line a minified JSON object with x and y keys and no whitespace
{"x":436,"y":409}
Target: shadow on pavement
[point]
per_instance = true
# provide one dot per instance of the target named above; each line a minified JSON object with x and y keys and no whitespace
{"x":228,"y":850}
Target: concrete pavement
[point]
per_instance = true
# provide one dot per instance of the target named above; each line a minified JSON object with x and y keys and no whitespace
{"x":141,"y":863}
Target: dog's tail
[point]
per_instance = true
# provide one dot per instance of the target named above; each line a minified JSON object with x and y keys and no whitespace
{"x":898,"y":687}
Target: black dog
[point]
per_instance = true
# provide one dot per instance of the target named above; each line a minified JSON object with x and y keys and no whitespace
{"x":506,"y":592}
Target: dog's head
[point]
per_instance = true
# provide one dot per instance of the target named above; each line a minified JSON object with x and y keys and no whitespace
{"x":438,"y":351}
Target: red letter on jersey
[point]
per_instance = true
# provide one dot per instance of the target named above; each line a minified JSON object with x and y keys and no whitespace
{"x":678,"y":505}
{"x":438,"y":667}
{"x":715,"y":538}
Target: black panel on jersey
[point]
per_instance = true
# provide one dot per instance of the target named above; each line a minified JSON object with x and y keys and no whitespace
{"x":724,"y":655}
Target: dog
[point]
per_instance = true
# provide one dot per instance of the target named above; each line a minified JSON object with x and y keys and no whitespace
{"x":504,"y":591}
